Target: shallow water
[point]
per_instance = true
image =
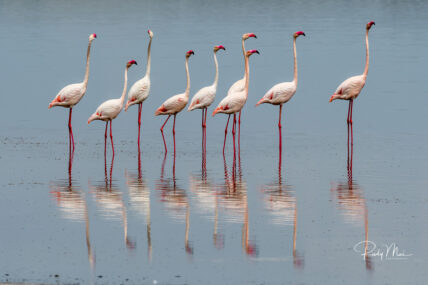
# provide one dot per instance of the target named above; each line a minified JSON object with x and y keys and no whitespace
{"x":143,"y":219}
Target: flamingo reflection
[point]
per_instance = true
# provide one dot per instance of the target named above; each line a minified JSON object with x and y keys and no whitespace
{"x":139,"y":194}
{"x":175,"y":201}
{"x":233,"y":198}
{"x":110,"y":201}
{"x":351,"y":201}
{"x":281,"y":202}
{"x":73,"y":205}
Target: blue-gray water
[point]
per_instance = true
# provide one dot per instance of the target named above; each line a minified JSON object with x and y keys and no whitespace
{"x":241,"y":225}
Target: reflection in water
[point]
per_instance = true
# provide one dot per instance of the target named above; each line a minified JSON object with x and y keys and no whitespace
{"x":282,"y":204}
{"x":72,"y":203}
{"x":350,"y":199}
{"x":109,"y":199}
{"x":139,"y":194}
{"x":232,"y":196}
{"x":176,"y":202}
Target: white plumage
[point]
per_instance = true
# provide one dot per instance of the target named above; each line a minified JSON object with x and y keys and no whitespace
{"x":140,"y":90}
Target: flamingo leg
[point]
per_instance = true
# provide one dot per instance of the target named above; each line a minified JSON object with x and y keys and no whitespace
{"x":105,"y":140}
{"x":280,"y":134}
{"x":70,"y":128}
{"x":239,"y":130}
{"x":173,"y":135}
{"x":140,"y":106}
{"x":233,"y":133}
{"x":205,"y":120}
{"x":111,"y":138}
{"x":161,"y":129}
{"x":203,"y":110}
{"x":225,"y":134}
{"x":350,"y":118}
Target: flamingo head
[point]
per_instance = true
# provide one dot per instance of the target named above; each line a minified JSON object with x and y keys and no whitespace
{"x":150,"y":33}
{"x":189,"y":53}
{"x":248,"y":35}
{"x":297,"y":34}
{"x":130,"y":63}
{"x":92,"y":37}
{"x":369,"y":25}
{"x":251,"y":51}
{"x":216,"y":48}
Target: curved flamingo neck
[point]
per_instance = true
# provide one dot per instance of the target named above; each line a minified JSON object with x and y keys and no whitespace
{"x":244,"y":53}
{"x":247,"y":76}
{"x":88,"y":55}
{"x":216,"y":70}
{"x":125,"y":85}
{"x":148,"y":57}
{"x":188,"y":77}
{"x":366,"y":69}
{"x":295,"y":62}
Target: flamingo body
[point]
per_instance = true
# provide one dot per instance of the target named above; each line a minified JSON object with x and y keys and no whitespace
{"x":350,"y":88}
{"x":107,"y":111}
{"x":203,"y":98}
{"x":69,"y":96}
{"x":279,"y":94}
{"x":139,"y":92}
{"x":173,"y":105}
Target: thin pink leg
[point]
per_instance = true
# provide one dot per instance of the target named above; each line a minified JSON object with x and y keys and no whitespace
{"x":239,"y":132}
{"x":205,"y":120}
{"x":70,"y":128}
{"x":233,"y":133}
{"x":161,"y":129}
{"x":140,"y":105}
{"x":225,"y":134}
{"x":111,"y":138}
{"x":105,"y":140}
{"x":280,"y":133}
{"x":173,"y":134}
{"x":349,"y":112}
{"x":203,"y":110}
{"x":205,"y":129}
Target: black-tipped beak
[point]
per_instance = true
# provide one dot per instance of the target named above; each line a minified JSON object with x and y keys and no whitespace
{"x":255,"y":36}
{"x":192,"y":53}
{"x":304,"y":34}
{"x":257,"y":52}
{"x":136,"y":63}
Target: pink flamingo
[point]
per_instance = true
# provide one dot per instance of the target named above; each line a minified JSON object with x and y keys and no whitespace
{"x":71,"y":94}
{"x":110,"y":109}
{"x":175,"y":104}
{"x":140,"y":90}
{"x":351,"y":87}
{"x":205,"y":96}
{"x":235,"y":101}
{"x":240,"y":84}
{"x":282,"y":92}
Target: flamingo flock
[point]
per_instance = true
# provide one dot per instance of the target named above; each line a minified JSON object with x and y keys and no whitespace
{"x":231,"y":104}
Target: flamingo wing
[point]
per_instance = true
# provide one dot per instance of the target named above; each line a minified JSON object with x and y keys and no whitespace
{"x":69,"y":96}
{"x":203,"y":98}
{"x":236,"y":87}
{"x":351,"y":87}
{"x":109,"y":109}
{"x":139,"y":91}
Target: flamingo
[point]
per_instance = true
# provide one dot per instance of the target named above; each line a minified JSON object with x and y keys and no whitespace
{"x":140,"y":90}
{"x":175,"y":104}
{"x":240,"y":84}
{"x":205,"y":96}
{"x":282,"y":92}
{"x":109,"y":110}
{"x":351,"y":87}
{"x":71,"y":94}
{"x":235,"y":101}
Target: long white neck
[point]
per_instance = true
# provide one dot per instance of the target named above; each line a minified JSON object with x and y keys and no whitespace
{"x":88,"y":55}
{"x":216,"y":70}
{"x":188,"y":77}
{"x":244,"y":53}
{"x":122,"y":98}
{"x":295,"y":62}
{"x":148,"y":58}
{"x":247,"y":76}
{"x":366,"y":69}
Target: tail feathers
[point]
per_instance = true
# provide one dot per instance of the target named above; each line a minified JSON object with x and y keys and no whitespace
{"x":218,"y":109}
{"x":262,"y":101}
{"x":92,"y":117}
{"x":160,"y":110}
{"x":55,"y":102}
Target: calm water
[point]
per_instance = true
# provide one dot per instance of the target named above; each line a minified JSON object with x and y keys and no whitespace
{"x":242,"y":220}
